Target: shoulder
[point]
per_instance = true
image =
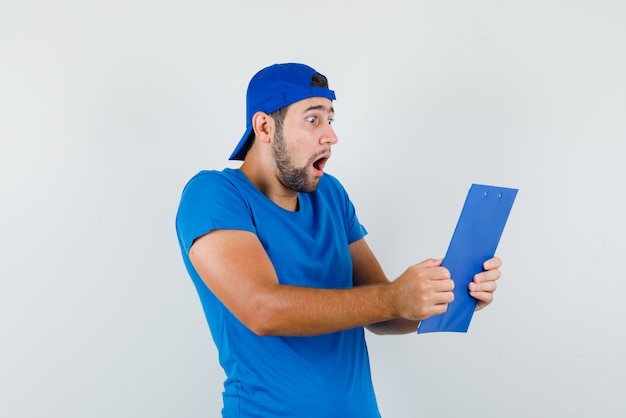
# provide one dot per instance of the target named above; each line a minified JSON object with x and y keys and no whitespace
{"x":214,"y":192}
{"x":212,"y":200}
{"x":213,"y":184}
{"x":331,"y":189}
{"x":335,"y":196}
{"x":208,"y":178}
{"x":330,"y":184}
{"x":332,"y":193}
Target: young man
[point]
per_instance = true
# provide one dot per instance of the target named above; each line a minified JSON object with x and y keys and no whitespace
{"x":279,"y":259}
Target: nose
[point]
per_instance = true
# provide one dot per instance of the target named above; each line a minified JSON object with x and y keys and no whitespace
{"x":329,"y":136}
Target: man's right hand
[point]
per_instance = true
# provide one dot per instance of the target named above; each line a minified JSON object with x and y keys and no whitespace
{"x":423,"y":290}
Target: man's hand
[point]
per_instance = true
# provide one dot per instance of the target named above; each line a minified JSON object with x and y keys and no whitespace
{"x":484,"y":284}
{"x":425,"y":290}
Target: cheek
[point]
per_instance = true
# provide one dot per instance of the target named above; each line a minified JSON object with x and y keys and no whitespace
{"x":300,"y":145}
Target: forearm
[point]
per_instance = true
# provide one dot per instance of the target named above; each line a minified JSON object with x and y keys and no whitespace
{"x":301,"y":311}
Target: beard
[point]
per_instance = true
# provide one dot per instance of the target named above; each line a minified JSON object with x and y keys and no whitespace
{"x":292,"y":177}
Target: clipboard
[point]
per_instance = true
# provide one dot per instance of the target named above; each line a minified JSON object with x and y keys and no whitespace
{"x":474,"y":241}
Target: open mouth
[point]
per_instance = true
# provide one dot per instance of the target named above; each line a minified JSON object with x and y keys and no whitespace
{"x":320,"y":163}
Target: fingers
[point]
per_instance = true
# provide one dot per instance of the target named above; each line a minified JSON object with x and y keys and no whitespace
{"x":482,"y":292}
{"x":431,"y":262}
{"x":424,"y":290}
{"x":437,"y":277}
{"x":483,"y":299}
{"x":487,"y":276}
{"x":484,"y":284}
{"x":492,"y":263}
{"x":489,"y":287}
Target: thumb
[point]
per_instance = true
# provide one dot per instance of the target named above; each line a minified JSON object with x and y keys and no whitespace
{"x":432,"y":262}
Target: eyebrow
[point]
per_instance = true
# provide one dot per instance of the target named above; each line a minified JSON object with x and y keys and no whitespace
{"x":320,"y":107}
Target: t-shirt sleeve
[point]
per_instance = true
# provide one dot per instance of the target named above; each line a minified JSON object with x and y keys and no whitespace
{"x":354,"y":230}
{"x":209,"y":202}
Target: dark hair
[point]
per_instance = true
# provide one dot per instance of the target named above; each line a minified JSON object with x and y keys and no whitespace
{"x":318,"y":80}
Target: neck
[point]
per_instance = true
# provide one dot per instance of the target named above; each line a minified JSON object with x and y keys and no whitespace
{"x":264,"y":179}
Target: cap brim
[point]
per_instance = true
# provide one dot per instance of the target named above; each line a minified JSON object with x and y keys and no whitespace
{"x":241,"y":149}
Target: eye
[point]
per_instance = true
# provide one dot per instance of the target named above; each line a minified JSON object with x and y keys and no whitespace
{"x":316,"y":119}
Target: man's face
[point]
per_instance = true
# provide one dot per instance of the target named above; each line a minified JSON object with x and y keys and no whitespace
{"x":302,"y":147}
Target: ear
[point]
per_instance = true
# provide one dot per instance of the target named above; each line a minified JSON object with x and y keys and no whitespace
{"x":263,"y":125}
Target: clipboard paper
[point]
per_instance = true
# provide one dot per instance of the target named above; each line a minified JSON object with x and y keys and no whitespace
{"x":474,"y":241}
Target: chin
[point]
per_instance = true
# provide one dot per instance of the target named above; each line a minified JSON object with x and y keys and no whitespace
{"x":311,"y":185}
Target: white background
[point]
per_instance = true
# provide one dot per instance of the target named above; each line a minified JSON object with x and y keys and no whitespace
{"x":107,"y":108}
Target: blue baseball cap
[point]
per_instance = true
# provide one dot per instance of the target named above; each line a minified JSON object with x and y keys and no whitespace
{"x":273,"y":88}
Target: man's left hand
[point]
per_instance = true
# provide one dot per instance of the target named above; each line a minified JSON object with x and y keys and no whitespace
{"x":484,"y":284}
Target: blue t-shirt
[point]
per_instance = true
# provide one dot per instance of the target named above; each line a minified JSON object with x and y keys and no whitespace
{"x":320,"y":376}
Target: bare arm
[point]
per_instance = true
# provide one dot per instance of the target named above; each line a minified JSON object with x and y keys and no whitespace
{"x":236,"y":268}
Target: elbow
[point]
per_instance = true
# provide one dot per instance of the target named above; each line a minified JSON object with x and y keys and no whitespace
{"x":260,"y":320}
{"x":264,"y":312}
{"x":263,"y":332}
{"x":260,"y":328}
